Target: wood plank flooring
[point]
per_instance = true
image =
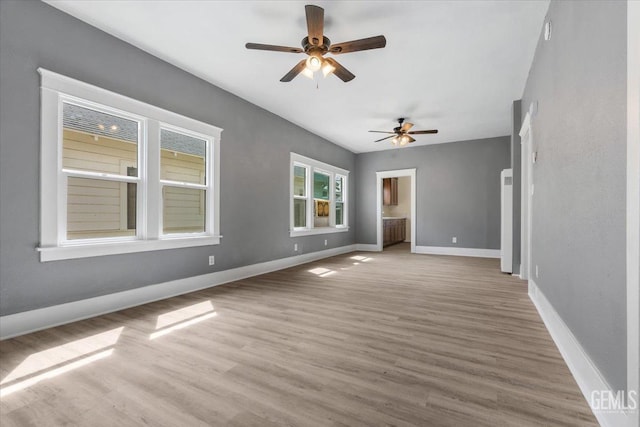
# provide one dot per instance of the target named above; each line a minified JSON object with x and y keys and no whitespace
{"x":363,"y":339}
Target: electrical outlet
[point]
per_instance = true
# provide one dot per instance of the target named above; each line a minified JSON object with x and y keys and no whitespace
{"x":295,"y":247}
{"x":536,"y":271}
{"x":454,"y":240}
{"x":212,"y":260}
{"x":326,"y":242}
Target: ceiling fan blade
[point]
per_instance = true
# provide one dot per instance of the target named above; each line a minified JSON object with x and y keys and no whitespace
{"x":406,"y":126}
{"x":422,"y":132}
{"x":382,"y":139}
{"x":381,"y":131}
{"x":315,"y":23}
{"x":294,"y":71}
{"x":272,"y":47}
{"x":375,"y":42}
{"x":341,"y":72}
{"x":411,"y":139}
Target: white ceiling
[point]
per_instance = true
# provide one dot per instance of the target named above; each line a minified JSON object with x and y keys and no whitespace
{"x":451,"y":65}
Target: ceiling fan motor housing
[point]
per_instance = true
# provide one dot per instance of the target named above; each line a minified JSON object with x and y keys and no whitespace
{"x":398,"y":129}
{"x":310,"y":48}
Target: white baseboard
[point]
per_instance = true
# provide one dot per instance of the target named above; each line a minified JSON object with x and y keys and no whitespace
{"x":367,"y":248}
{"x":13,"y":325}
{"x":472,"y":252}
{"x":581,"y":366}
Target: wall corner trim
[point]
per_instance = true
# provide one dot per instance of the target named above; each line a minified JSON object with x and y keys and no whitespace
{"x":582,"y":368}
{"x":455,"y":251}
{"x":633,"y":200}
{"x":13,"y":325}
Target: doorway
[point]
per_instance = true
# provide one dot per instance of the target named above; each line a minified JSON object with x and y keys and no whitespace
{"x":393,"y":216}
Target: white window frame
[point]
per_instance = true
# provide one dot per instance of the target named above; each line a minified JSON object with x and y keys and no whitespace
{"x":312,"y":166}
{"x":56,"y":89}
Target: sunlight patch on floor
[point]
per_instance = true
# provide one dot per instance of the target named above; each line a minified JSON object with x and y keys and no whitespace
{"x":5,"y":391}
{"x":58,"y":360}
{"x":183,"y":314}
{"x":322,"y":272}
{"x":182,"y":318}
{"x":328,"y":273}
{"x":361,"y":258}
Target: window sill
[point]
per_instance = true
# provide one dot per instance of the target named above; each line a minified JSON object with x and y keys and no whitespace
{"x":313,"y":231}
{"x":114,"y":248}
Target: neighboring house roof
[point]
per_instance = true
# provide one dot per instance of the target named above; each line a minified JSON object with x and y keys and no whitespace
{"x":103,"y":124}
{"x":174,"y":141}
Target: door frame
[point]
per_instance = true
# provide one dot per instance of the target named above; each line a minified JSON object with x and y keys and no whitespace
{"x":526,"y":197}
{"x":379,"y":224}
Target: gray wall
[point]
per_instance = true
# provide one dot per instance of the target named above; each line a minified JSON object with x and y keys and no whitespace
{"x":578,"y":79}
{"x":254,"y":172}
{"x":516,"y":123}
{"x":457,"y":191}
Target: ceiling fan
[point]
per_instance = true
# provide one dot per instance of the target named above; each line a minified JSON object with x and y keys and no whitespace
{"x":316,"y":45}
{"x":401,"y":134}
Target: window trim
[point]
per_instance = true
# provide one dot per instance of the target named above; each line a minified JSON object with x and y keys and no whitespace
{"x":312,"y":166}
{"x":56,"y":88}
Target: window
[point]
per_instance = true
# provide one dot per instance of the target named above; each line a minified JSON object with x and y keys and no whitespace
{"x":321,"y":202}
{"x":100,"y":168}
{"x":120,"y":176}
{"x":300,"y":174}
{"x":318,"y":197}
{"x":183,"y":178}
{"x":340,"y":180}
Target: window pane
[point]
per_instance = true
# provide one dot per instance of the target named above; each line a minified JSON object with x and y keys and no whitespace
{"x":339,"y":183}
{"x":98,"y":142}
{"x":299,"y":213}
{"x":320,"y":186}
{"x":99,"y":208}
{"x":321,"y":214}
{"x":182,"y":157}
{"x":299,"y":181}
{"x":183,"y":210}
{"x":339,"y":213}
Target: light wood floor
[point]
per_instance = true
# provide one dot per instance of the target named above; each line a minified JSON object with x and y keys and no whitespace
{"x":363,"y":339}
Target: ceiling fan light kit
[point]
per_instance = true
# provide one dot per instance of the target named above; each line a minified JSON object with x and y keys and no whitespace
{"x":316,"y":45}
{"x":402,"y":140}
{"x":314,"y":63}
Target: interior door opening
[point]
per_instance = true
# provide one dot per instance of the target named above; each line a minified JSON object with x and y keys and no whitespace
{"x":396,"y":207}
{"x":396,"y":218}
